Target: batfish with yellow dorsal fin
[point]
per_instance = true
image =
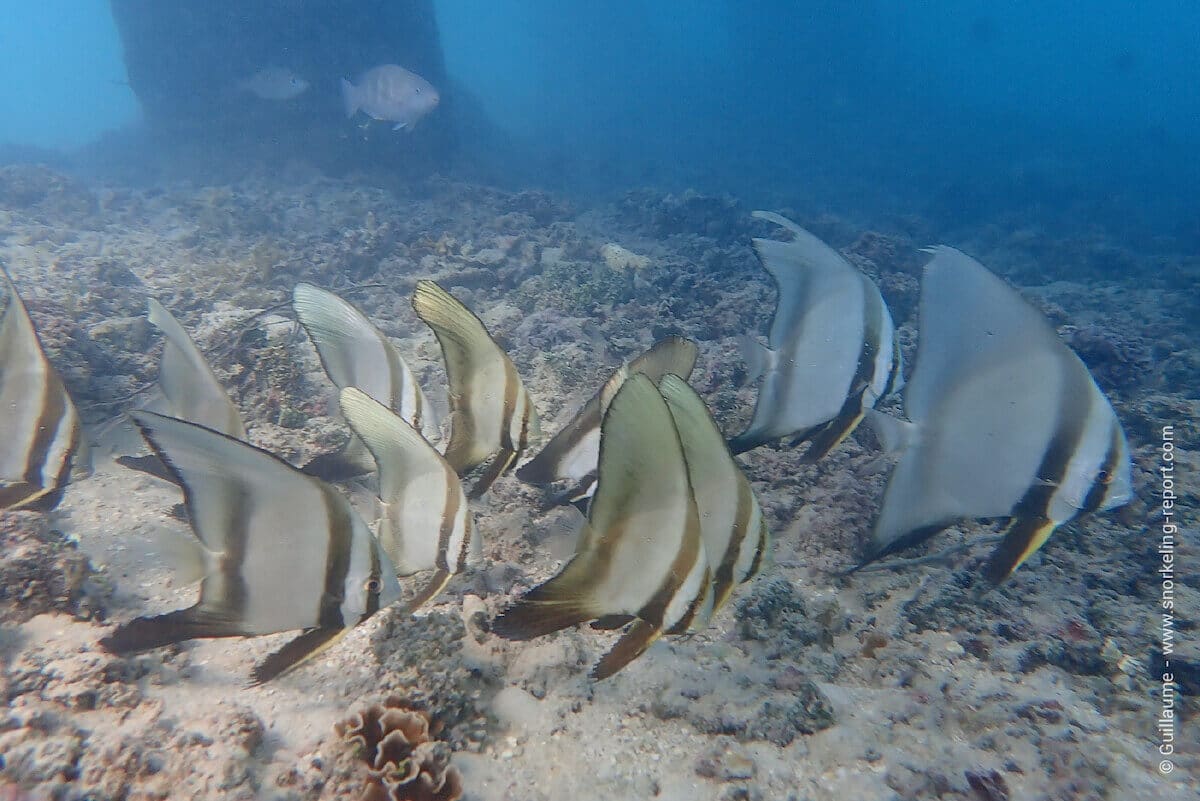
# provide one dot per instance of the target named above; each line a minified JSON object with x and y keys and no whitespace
{"x":833,"y":351}
{"x":425,"y":523}
{"x":1005,"y":421}
{"x":355,"y":353}
{"x":736,"y":540}
{"x":282,"y":550}
{"x":572,"y":453}
{"x":641,"y":553}
{"x":491,"y":414}
{"x":43,"y":441}
{"x":189,"y":388}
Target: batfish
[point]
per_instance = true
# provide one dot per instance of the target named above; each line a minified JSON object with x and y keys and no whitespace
{"x":573,"y":453}
{"x":189,"y":389}
{"x":280,"y":550}
{"x":355,"y":353}
{"x":491,"y":414}
{"x":1005,"y":421}
{"x":43,"y":442}
{"x":641,"y":555}
{"x":832,"y":352}
{"x":425,"y":523}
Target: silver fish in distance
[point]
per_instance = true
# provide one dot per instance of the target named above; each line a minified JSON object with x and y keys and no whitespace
{"x":274,"y":83}
{"x":390,"y":93}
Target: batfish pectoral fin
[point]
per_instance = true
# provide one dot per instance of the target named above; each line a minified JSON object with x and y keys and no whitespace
{"x":145,"y":633}
{"x":895,"y":435}
{"x":436,"y":584}
{"x":1022,"y":537}
{"x":759,"y":359}
{"x":295,"y":654}
{"x":631,"y":645}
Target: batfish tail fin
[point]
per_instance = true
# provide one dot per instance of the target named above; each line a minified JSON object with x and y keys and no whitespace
{"x":632,"y":644}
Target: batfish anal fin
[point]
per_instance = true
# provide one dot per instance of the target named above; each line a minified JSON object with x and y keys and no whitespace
{"x":150,"y":464}
{"x":145,"y":633}
{"x":559,"y":603}
{"x":631,"y":645}
{"x":611,"y":622}
{"x":295,"y":654}
{"x":1022,"y":537}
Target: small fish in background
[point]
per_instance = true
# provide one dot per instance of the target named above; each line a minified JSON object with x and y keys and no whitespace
{"x":278,"y":551}
{"x":491,"y":414}
{"x":641,"y":557}
{"x":425,"y":523}
{"x":274,"y":83}
{"x":43,"y":445}
{"x":1005,"y":421}
{"x":573,"y":453}
{"x":190,"y":391}
{"x":833,"y":349}
{"x":392,"y":94}
{"x":355,"y":353}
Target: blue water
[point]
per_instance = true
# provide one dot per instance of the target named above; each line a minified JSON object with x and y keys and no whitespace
{"x":886,"y":105}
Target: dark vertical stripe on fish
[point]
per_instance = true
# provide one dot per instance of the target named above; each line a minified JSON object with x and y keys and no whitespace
{"x":449,"y":513}
{"x":1108,"y":469}
{"x":655,"y":609}
{"x":337,"y":560}
{"x":50,"y":418}
{"x":512,"y":385}
{"x":723,"y":579}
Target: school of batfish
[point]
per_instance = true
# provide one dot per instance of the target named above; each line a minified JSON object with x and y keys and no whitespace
{"x":1004,"y":422}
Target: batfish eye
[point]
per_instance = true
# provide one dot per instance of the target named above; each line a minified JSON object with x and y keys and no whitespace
{"x":1104,"y":477}
{"x":373,"y":585}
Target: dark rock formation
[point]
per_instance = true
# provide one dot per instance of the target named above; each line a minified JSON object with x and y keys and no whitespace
{"x":185,"y":59}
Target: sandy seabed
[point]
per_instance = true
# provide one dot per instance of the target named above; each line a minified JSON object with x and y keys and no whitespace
{"x":893,"y":684}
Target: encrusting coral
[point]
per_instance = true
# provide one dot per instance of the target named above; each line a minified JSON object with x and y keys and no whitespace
{"x":404,"y":762}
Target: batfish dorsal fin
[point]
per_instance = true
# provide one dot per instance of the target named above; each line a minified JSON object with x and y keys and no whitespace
{"x":489,"y":408}
{"x":188,"y":383}
{"x":735,"y":536}
{"x":426,"y":522}
{"x":573,"y":451}
{"x":355,"y":353}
